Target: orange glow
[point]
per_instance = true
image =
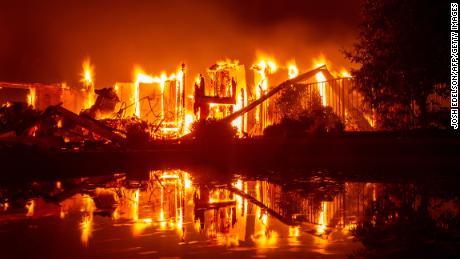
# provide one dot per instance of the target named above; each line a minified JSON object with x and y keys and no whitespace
{"x":188,"y":121}
{"x":263,"y":67}
{"x":320,"y":78}
{"x":321,"y":227}
{"x":320,"y":61}
{"x":265,"y":239}
{"x":88,"y":72}
{"x":294,"y":231}
{"x":5,"y":206}
{"x":32,"y":96}
{"x":86,"y":228}
{"x":30,"y":206}
{"x":238,"y":122}
{"x":187,"y":182}
{"x":140,"y":77}
{"x":140,"y":225}
{"x":86,"y":224}
{"x":135,"y":205}
{"x":344,"y":73}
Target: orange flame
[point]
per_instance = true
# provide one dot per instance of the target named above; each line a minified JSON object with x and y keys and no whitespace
{"x":31,"y":97}
{"x":87,"y":78}
{"x":293,"y":71}
{"x":344,"y":73}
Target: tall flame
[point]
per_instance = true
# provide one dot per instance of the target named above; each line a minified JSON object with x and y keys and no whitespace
{"x":263,"y":67}
{"x":87,"y":78}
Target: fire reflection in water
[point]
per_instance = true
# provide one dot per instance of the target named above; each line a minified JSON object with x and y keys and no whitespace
{"x":255,"y":213}
{"x":86,"y":225}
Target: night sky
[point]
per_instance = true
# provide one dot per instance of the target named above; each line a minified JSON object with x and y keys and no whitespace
{"x":46,"y":41}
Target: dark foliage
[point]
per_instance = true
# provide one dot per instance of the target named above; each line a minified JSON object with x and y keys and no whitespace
{"x":212,"y":130}
{"x":315,"y":121}
{"x":137,"y":134}
{"x":406,"y":223}
{"x":403,"y":51}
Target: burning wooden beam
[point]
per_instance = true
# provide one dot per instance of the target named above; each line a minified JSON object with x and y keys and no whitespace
{"x":88,"y":123}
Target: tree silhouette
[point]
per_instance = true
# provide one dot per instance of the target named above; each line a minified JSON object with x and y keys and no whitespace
{"x":403,"y":50}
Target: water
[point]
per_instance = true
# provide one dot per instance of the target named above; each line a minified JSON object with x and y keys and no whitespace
{"x":174,"y":213}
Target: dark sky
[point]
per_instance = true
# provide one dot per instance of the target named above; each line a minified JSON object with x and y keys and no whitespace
{"x":46,"y":41}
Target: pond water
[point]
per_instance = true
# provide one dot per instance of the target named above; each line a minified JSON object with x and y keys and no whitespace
{"x":174,"y":213}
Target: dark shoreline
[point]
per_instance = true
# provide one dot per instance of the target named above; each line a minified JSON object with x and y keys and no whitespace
{"x":381,"y":156}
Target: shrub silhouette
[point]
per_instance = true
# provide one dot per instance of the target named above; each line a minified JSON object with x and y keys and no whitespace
{"x":316,"y":121}
{"x":213,"y":130}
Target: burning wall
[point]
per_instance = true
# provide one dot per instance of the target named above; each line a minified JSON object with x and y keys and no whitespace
{"x":40,"y":96}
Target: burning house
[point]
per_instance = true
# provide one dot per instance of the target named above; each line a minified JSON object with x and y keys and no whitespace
{"x":40,"y":96}
{"x":159,"y":106}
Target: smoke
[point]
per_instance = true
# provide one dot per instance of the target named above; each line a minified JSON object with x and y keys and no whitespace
{"x":46,"y":41}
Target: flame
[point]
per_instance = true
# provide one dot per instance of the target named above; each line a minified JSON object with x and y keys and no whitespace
{"x":187,"y":181}
{"x":188,"y":121}
{"x":30,"y":206}
{"x":263,"y":67}
{"x":87,"y":78}
{"x":293,"y":71}
{"x":140,"y":77}
{"x":31,"y":97}
{"x":320,"y":78}
{"x":88,"y":72}
{"x":238,"y":122}
{"x":344,"y":73}
{"x":320,"y":61}
{"x":228,"y":63}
